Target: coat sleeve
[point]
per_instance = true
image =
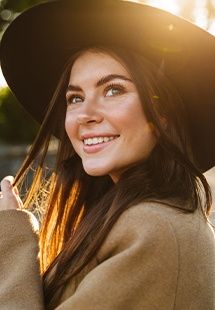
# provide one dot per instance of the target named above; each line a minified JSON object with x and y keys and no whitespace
{"x":20,"y":281}
{"x":137,"y":269}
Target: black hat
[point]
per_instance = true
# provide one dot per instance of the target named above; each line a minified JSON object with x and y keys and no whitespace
{"x":36,"y":46}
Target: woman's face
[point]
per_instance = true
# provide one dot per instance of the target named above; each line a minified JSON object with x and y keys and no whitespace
{"x":105,"y":121}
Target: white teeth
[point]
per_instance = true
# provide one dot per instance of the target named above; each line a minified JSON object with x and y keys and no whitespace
{"x":97,"y":140}
{"x":106,"y":139}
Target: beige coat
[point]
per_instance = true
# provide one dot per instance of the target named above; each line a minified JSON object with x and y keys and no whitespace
{"x":155,"y":258}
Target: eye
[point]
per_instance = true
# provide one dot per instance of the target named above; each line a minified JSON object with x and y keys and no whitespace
{"x":74,"y":98}
{"x":114,"y":90}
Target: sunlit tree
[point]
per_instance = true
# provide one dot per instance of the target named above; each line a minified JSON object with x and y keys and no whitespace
{"x":201,"y":12}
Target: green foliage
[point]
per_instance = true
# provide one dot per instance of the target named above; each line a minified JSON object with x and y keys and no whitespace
{"x":16,"y":126}
{"x":19,"y":5}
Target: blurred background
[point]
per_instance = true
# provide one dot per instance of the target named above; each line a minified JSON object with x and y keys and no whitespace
{"x":18,"y":130}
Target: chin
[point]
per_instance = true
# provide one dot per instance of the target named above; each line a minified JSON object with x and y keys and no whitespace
{"x":95,"y":172}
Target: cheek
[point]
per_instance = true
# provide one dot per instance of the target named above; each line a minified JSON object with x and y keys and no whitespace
{"x":70,"y":126}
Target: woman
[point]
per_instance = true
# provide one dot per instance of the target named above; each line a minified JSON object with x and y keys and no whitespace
{"x":126,"y":209}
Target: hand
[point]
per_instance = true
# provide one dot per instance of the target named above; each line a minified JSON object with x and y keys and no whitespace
{"x":9,"y":195}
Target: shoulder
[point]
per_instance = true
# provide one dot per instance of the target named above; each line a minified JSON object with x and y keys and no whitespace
{"x":158,"y":227}
{"x":157,"y":216}
{"x":144,"y":226}
{"x":152,"y":218}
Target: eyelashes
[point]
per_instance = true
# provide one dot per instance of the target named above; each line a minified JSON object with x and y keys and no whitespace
{"x":111,"y":90}
{"x":74,"y":98}
{"x":114,"y":89}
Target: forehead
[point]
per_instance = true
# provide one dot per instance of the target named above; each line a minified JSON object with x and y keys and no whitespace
{"x":92,"y":63}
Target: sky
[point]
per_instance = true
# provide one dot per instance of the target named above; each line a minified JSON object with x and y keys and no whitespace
{"x":168,"y":5}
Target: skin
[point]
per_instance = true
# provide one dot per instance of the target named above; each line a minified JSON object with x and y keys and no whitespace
{"x":9,"y":196}
{"x":102,"y":101}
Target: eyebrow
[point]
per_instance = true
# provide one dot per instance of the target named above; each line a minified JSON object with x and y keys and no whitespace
{"x":100,"y":82}
{"x":111,"y":77}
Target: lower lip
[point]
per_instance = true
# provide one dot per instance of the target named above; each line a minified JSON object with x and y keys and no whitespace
{"x":94,"y":148}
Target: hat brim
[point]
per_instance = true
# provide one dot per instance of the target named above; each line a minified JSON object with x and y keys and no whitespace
{"x":36,"y":46}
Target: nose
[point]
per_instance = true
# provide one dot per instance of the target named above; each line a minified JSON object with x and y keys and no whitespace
{"x":89,"y":114}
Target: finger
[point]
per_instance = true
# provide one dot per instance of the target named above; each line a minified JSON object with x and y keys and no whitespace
{"x":15,"y":189}
{"x":20,"y":203}
{"x":10,"y":196}
{"x":9,"y":178}
{"x":16,"y":193}
{"x":7,"y":185}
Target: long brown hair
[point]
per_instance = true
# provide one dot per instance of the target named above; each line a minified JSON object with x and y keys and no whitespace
{"x":80,"y":209}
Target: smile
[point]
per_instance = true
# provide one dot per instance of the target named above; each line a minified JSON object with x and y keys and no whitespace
{"x":98,"y":140}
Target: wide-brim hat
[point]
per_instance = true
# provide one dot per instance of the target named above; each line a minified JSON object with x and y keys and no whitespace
{"x":36,"y":46}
